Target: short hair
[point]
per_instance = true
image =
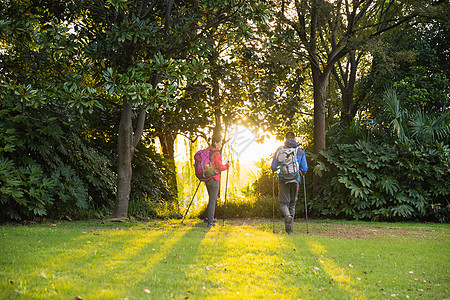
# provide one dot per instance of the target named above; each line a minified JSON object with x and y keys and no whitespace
{"x":216,"y":139}
{"x":290,"y":135}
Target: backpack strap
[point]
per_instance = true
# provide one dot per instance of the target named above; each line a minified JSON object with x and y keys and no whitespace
{"x":211,"y":152}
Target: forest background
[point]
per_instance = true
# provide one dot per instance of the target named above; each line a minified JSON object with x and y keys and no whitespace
{"x":104,"y":104}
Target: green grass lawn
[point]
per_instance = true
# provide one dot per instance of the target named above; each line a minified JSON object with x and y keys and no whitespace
{"x":242,"y":260}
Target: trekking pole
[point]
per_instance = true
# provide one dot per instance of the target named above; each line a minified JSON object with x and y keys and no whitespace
{"x":190,"y":202}
{"x":306,"y":206}
{"x":273,"y":202}
{"x":225,"y":202}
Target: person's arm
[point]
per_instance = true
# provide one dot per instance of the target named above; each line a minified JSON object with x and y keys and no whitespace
{"x":302,"y":162}
{"x":217,"y":162}
{"x":274,"y":165}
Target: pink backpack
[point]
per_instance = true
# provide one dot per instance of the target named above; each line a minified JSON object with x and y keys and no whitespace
{"x":203,"y":166}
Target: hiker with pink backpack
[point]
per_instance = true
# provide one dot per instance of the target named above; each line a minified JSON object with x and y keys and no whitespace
{"x":208,"y":165}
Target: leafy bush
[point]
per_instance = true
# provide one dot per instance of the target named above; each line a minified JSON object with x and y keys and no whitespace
{"x":46,"y":169}
{"x":263,"y":183}
{"x":369,"y":181}
{"x":152,"y":193}
{"x":240,"y":206}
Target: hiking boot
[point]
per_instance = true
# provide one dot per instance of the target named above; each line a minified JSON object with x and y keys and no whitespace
{"x":288,"y":224}
{"x":206,"y":220}
{"x":211,"y":225}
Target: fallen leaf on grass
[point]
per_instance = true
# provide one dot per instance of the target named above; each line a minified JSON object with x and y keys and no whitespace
{"x":350,"y":265}
{"x":146,"y":290}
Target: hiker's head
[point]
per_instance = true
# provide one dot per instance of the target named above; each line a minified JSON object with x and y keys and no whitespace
{"x":216,"y":142}
{"x":290,"y":135}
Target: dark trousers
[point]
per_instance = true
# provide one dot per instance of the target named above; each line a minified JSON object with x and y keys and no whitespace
{"x":288,"y":198}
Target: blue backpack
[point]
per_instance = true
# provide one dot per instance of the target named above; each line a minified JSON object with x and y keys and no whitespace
{"x":204,"y":169}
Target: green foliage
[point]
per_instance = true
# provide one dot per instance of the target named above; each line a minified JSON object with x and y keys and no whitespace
{"x":50,"y":166}
{"x":263,"y":179}
{"x":370,"y":181}
{"x":395,"y":165}
{"x":57,"y":142}
{"x":46,"y":168}
{"x":152,"y":186}
{"x":242,"y":206}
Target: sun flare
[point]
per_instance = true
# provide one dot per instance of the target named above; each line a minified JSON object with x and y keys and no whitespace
{"x":246,"y":148}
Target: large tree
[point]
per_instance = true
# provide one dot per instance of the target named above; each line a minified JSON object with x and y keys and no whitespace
{"x":139,"y":49}
{"x":142,"y":54}
{"x":210,"y":100}
{"x":326,"y":31}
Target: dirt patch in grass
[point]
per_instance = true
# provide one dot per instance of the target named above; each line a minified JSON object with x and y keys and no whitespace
{"x":355,"y":231}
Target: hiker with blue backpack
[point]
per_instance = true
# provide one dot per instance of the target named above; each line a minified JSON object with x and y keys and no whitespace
{"x":289,"y":161}
{"x":208,"y":165}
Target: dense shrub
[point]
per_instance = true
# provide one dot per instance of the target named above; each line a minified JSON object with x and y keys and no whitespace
{"x":240,"y":206}
{"x":152,"y":192}
{"x":369,"y":181}
{"x":46,"y":169}
{"x":57,"y":165}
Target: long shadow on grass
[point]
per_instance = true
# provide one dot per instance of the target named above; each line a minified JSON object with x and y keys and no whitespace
{"x":165,"y":275}
{"x":134,"y":261}
{"x":323,"y":273}
{"x":97,"y":261}
{"x":240,"y":262}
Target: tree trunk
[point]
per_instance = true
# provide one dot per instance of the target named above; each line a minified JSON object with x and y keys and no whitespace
{"x":347,"y":86}
{"x":320,"y":82}
{"x":127,"y":142}
{"x":216,"y":94}
{"x":167,"y":140}
{"x":217,"y":103}
{"x":320,"y":95}
{"x":125,"y":150}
